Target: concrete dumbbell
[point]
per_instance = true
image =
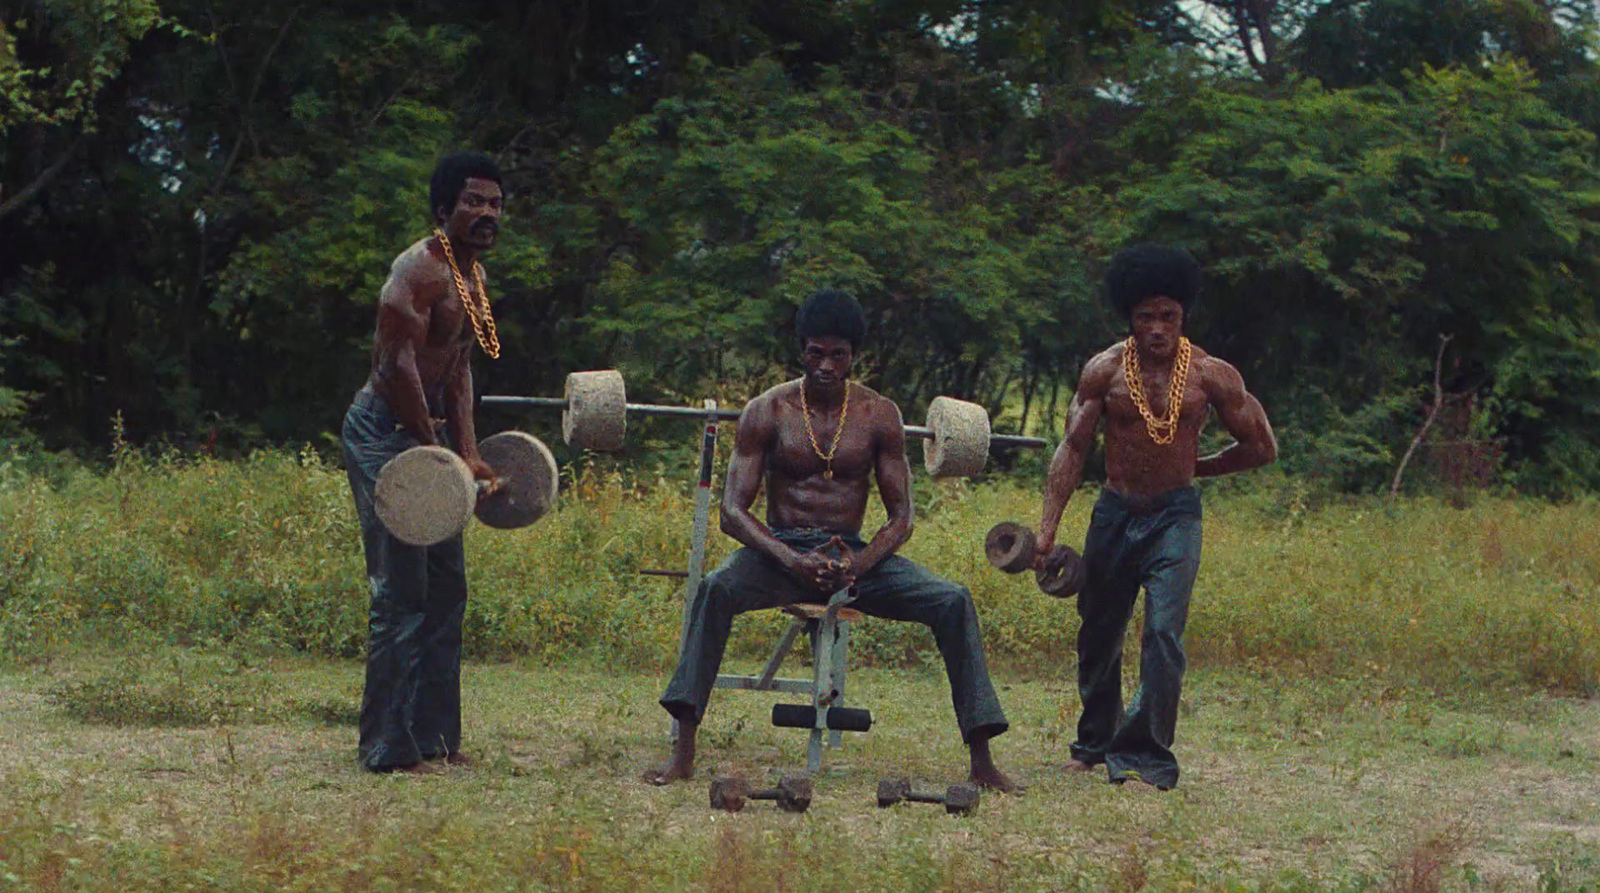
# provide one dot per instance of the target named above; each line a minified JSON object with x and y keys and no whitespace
{"x":959,"y":799}
{"x":729,"y":792}
{"x":427,"y":494}
{"x":1011,"y":547}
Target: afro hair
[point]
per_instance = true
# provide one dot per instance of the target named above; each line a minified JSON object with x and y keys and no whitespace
{"x":450,"y":176}
{"x":1145,"y":271}
{"x":831,"y":312}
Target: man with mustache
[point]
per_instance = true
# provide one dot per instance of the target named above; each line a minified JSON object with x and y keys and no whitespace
{"x":1155,"y":392}
{"x":431,"y":310}
{"x":815,"y":445}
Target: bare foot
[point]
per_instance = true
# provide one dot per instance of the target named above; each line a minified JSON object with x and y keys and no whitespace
{"x":985,"y":773}
{"x":1077,"y":765}
{"x":682,"y":763}
{"x":668,"y":774}
{"x":995,"y":780}
{"x":460,"y":759}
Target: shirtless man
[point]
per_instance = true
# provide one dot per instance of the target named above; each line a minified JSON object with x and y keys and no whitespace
{"x":432,"y":309}
{"x":1154,"y":391}
{"x":816,"y":444}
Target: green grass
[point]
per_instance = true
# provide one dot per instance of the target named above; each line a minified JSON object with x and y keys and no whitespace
{"x":1290,"y":783}
{"x":1381,"y":697}
{"x":263,"y":553}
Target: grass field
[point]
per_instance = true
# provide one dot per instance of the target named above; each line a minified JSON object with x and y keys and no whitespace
{"x":1381,"y":697}
{"x":1305,"y":783}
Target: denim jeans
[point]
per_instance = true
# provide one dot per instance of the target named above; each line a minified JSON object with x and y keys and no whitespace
{"x":411,"y":707}
{"x":1153,"y":543}
{"x":896,"y":589}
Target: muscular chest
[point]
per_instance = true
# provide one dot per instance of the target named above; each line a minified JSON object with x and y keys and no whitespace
{"x":448,"y":323}
{"x":801,"y":451}
{"x":1156,"y":394}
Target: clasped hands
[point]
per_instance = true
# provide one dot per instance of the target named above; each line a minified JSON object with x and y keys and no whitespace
{"x":828,"y":568}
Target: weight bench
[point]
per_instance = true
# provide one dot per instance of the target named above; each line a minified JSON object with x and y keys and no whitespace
{"x":827,"y":628}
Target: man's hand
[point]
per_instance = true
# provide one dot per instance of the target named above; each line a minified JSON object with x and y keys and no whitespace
{"x":1045,"y":542}
{"x":482,"y":472}
{"x":828,"y":568}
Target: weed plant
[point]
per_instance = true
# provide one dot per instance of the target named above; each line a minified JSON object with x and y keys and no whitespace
{"x":263,"y":554}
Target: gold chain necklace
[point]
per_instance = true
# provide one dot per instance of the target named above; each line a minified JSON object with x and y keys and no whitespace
{"x":1180,"y":381}
{"x":475,"y":299}
{"x":805,"y":413}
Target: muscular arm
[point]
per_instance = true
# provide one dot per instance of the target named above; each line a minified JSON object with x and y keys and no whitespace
{"x":458,"y":405}
{"x":402,"y":326}
{"x":1066,"y":466}
{"x":1241,"y":414}
{"x":746,"y":470}
{"x":894,"y":488}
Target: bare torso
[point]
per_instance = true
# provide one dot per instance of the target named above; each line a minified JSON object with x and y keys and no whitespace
{"x":422,"y":282}
{"x":1135,"y":464}
{"x":799,"y":492}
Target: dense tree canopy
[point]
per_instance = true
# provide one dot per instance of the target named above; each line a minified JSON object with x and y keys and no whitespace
{"x":200,"y":201}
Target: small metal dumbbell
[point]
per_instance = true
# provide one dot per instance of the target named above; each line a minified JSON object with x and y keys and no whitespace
{"x":729,"y":792}
{"x":960,"y":799}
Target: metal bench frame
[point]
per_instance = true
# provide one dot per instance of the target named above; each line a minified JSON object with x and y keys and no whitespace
{"x":828,"y":635}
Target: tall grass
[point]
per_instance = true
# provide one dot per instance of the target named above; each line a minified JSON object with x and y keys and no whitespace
{"x":264,"y":552}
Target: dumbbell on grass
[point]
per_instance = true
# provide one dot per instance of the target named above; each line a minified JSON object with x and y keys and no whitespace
{"x":729,"y":792}
{"x":960,"y":799}
{"x":1010,"y":547}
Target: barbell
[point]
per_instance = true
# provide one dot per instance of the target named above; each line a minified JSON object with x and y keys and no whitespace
{"x":594,"y":416}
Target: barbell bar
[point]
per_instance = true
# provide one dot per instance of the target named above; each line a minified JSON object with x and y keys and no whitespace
{"x":594,"y":416}
{"x":732,"y":415}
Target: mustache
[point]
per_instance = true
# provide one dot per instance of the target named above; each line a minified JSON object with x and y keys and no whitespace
{"x":485,"y":224}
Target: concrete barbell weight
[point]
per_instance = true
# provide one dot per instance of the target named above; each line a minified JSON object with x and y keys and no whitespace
{"x":596,"y":412}
{"x":1010,"y":547}
{"x":427,"y":494}
{"x":729,"y":793}
{"x":960,"y":798}
{"x":959,"y":446}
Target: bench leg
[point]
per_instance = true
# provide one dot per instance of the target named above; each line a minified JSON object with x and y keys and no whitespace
{"x":838,"y":663}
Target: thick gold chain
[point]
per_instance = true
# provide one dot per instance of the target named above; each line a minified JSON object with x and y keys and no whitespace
{"x":805,"y":412}
{"x":1162,"y":431}
{"x":475,"y":299}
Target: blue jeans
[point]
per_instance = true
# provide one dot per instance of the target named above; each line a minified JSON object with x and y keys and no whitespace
{"x":411,"y":707}
{"x":896,"y":589}
{"x":1153,"y":543}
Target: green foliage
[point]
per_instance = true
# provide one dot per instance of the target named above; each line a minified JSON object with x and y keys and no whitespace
{"x":90,"y":43}
{"x":241,"y":174}
{"x":1365,"y":218}
{"x":263,"y":555}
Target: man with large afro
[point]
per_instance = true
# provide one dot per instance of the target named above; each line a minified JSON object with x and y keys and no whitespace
{"x":1153,"y":393}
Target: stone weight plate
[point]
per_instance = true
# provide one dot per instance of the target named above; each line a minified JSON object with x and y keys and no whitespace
{"x":960,"y":443}
{"x":596,"y":417}
{"x":1010,"y":547}
{"x":1065,"y":576}
{"x":425,"y":495}
{"x":528,"y":478}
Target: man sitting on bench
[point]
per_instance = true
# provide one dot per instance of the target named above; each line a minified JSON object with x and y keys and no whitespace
{"x":817,"y":442}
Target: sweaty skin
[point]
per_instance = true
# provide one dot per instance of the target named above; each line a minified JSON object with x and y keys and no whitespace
{"x":1137,"y":466}
{"x":424,"y":338}
{"x":772,"y":444}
